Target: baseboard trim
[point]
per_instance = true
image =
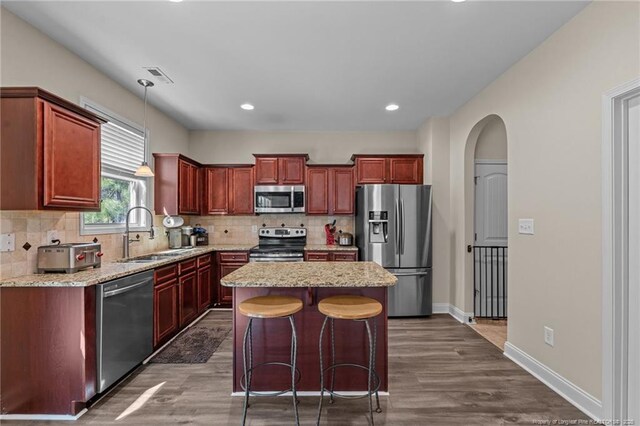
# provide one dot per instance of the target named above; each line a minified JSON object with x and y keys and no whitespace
{"x":317,"y":393}
{"x":441,"y":308}
{"x":582,"y":400}
{"x":56,"y":417}
{"x":460,"y":315}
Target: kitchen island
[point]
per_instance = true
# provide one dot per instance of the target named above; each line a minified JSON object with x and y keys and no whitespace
{"x":310,"y":282}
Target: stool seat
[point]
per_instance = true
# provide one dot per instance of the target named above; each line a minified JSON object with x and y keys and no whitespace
{"x":270,"y":306}
{"x":350,"y":307}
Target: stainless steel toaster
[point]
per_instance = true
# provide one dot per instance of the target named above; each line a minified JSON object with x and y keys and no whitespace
{"x":69,"y":258}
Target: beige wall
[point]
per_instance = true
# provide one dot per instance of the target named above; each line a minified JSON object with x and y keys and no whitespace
{"x":30,"y":58}
{"x":322,"y":147}
{"x":433,"y":141}
{"x":492,"y":141}
{"x":550,"y":102}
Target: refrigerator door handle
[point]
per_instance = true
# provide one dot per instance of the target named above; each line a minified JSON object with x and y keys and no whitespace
{"x":397,"y":226}
{"x":402,"y":236}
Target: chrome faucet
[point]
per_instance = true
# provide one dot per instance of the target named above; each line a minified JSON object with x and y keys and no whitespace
{"x":125,"y":238}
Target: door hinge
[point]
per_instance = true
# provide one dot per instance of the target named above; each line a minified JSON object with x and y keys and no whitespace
{"x":475,"y":180}
{"x":475,"y":237}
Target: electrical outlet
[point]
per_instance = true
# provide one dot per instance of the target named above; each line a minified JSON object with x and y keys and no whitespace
{"x":548,"y":335}
{"x":254,"y":229}
{"x":525,"y":226}
{"x":8,"y":242}
{"x":52,"y":235}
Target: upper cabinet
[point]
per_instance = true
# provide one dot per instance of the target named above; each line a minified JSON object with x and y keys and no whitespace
{"x":176,"y":184}
{"x":49,"y":152}
{"x":402,"y":169}
{"x":228,"y":190}
{"x":330,"y":190}
{"x":280,"y":169}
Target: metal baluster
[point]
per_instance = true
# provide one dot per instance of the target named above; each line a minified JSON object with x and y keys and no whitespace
{"x":475,"y":285}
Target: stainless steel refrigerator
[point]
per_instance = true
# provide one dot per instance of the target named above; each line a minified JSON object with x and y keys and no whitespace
{"x":393,"y":229}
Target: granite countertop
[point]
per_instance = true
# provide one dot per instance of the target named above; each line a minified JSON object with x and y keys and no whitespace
{"x":310,"y":274}
{"x":324,"y":247}
{"x":111,"y":270}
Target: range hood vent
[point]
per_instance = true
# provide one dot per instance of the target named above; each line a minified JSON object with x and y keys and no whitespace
{"x":159,"y":75}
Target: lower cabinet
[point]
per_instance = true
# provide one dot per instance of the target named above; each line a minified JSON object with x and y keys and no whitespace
{"x":182,"y":291}
{"x":226,"y":263}
{"x":330,"y":256}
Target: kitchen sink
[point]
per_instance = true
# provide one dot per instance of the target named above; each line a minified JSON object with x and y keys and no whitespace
{"x":155,"y":257}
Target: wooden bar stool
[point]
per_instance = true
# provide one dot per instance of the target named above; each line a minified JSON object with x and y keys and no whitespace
{"x":354,"y":308}
{"x":269,"y":307}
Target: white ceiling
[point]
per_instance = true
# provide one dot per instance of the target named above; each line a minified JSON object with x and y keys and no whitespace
{"x":304,"y":65}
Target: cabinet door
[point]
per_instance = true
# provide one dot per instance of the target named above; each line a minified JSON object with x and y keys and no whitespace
{"x":371,"y":170}
{"x":343,"y":191}
{"x":204,"y":288}
{"x":184,"y":187}
{"x":349,"y":256}
{"x":405,"y":170}
{"x":195,"y":189}
{"x":71,"y":160}
{"x":291,"y":170}
{"x":267,"y":171}
{"x":217,"y":190}
{"x":187,"y":298}
{"x":316,"y":256}
{"x":241,"y":190}
{"x":165,"y":312}
{"x":225,"y":294}
{"x":317,"y":190}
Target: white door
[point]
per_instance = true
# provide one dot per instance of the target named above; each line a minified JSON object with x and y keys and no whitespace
{"x":490,"y":253}
{"x":632,"y":120}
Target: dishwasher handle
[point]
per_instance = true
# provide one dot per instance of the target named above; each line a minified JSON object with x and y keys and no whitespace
{"x":126,"y":289}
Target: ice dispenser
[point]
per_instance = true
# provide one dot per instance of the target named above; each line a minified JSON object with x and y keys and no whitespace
{"x":378,"y":226}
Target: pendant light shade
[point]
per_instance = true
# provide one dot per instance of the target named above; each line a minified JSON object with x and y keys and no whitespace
{"x":144,"y":170}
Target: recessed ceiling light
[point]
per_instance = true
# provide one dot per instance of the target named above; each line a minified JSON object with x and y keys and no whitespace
{"x":247,"y":107}
{"x":457,"y":1}
{"x":175,"y":1}
{"x":391,"y":107}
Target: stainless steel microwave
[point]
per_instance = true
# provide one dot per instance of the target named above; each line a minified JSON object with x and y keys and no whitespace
{"x":279,"y":199}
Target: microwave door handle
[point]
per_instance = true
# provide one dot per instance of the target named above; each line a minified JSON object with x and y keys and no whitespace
{"x":292,"y":199}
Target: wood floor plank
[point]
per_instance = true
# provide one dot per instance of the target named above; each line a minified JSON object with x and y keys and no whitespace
{"x":440,"y":373}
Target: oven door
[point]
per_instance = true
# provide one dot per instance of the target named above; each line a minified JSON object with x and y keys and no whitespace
{"x":279,"y":199}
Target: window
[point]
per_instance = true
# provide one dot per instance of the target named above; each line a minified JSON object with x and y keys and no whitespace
{"x":122,"y":151}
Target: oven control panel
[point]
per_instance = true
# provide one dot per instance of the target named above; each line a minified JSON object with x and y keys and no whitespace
{"x":282,"y":232}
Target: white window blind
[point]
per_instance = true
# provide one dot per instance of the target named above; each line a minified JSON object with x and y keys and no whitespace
{"x":121,"y":149}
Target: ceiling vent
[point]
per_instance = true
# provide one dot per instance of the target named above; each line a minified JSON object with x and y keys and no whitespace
{"x":159,"y":75}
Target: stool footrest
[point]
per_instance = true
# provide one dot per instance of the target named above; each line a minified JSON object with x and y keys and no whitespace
{"x":376,"y":381}
{"x":243,"y":384}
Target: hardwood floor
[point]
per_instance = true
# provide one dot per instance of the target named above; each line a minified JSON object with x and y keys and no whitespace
{"x":495,"y":331}
{"x":441,"y":373}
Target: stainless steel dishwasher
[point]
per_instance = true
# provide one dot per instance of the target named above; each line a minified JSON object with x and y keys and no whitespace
{"x":124,"y":326}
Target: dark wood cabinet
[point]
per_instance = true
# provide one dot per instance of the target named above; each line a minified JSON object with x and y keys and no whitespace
{"x":241,"y":190}
{"x":176,"y":184}
{"x":205,"y":283}
{"x":50,"y":150}
{"x":330,"y":256}
{"x":216,"y":196}
{"x":187,"y":298}
{"x":280,"y":169}
{"x":401,"y":169}
{"x":165,"y":304}
{"x":226,"y":263}
{"x":330,"y":190}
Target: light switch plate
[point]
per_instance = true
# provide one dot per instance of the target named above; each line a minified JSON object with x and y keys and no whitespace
{"x":8,"y":242}
{"x":548,"y":335}
{"x":525,"y":226}
{"x":254,"y":229}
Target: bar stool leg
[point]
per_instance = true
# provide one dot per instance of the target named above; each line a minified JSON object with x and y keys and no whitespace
{"x":294,"y":350}
{"x":333,"y":360}
{"x":375,"y":348}
{"x":370,"y":378}
{"x":247,"y":375}
{"x":324,"y":323}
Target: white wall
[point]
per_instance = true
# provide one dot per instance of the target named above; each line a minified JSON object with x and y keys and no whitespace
{"x":30,"y":58}
{"x":322,"y":147}
{"x":492,"y":141}
{"x":550,"y":102}
{"x":433,"y":141}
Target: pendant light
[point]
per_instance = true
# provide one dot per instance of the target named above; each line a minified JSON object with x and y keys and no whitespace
{"x":144,"y":170}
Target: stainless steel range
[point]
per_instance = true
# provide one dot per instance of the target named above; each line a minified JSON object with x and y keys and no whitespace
{"x":279,"y":245}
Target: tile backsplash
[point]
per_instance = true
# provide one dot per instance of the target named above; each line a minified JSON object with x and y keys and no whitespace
{"x":32,"y":226}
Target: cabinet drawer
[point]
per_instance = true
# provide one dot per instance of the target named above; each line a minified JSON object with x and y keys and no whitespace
{"x":204,"y":260}
{"x":187,"y":266}
{"x":234,"y":257}
{"x":166,"y":273}
{"x":345,"y":257}
{"x":317,"y":256}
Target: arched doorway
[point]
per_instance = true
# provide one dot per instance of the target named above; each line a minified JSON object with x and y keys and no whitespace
{"x":487,"y":181}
